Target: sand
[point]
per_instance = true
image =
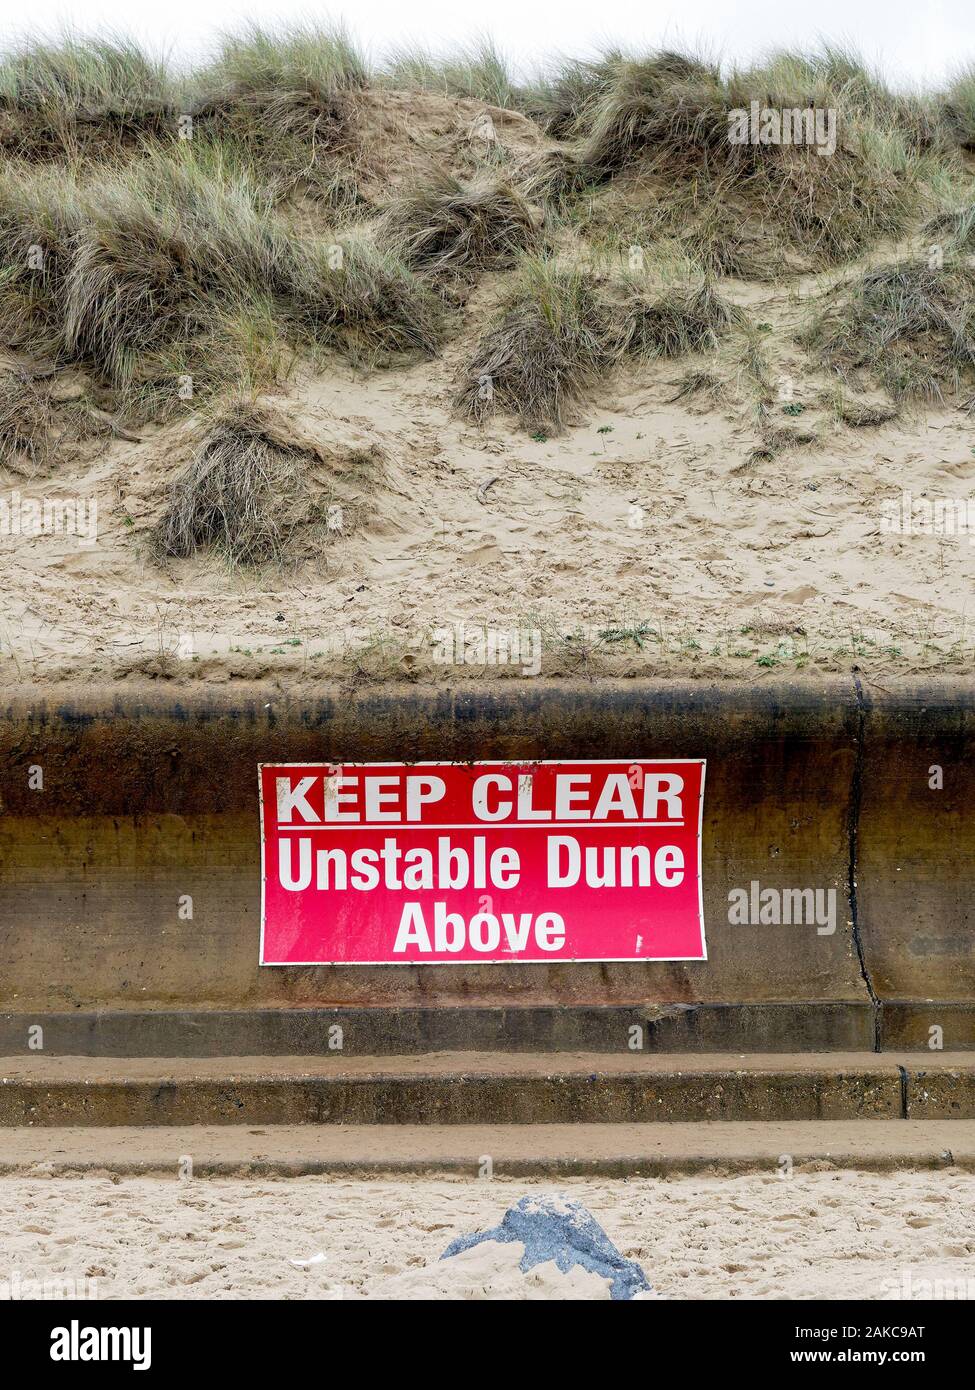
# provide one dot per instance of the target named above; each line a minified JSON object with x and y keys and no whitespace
{"x":643,"y":541}
{"x":836,"y":1234}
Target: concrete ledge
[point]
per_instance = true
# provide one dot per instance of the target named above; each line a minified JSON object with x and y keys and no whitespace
{"x":941,"y":1089}
{"x":617,"y":1151}
{"x":910,"y":1024}
{"x":822,"y":1026}
{"x":449,"y":1088}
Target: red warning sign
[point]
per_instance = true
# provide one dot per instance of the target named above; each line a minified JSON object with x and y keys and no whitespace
{"x":433,"y":863}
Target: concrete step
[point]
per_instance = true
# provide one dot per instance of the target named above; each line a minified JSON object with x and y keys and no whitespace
{"x":620,"y":1151}
{"x":485,"y":1088}
{"x":799,"y":1026}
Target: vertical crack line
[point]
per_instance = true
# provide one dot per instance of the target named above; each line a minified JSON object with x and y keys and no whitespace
{"x":903,"y":1072}
{"x":853,"y":833}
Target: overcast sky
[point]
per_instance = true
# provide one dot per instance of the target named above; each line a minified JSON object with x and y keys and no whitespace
{"x":915,"y":40}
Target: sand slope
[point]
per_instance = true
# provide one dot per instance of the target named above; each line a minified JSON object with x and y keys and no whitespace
{"x":641,"y":542}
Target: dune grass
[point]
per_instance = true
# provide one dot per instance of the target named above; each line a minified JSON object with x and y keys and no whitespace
{"x":478,"y":71}
{"x":284,"y":100}
{"x":74,"y":94}
{"x":668,"y":116}
{"x":959,"y":108}
{"x":108,"y":74}
{"x":136,"y":272}
{"x":280,"y":100}
{"x":672,"y":104}
{"x":26,"y":424}
{"x":561,"y":328}
{"x":355,"y":295}
{"x":291,"y":83}
{"x":240,"y":491}
{"x":545,"y":351}
{"x":254,"y":62}
{"x":909,"y":326}
{"x":959,"y":224}
{"x":699,"y":384}
{"x":860,"y":415}
{"x":671,"y":322}
{"x":836,"y":73}
{"x":155,"y":260}
{"x":560,"y":94}
{"x":41,"y":212}
{"x":447,"y":227}
{"x":161,"y":246}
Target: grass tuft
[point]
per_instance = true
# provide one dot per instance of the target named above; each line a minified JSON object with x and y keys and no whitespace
{"x":698,"y":383}
{"x":561,"y":328}
{"x":544,"y":353}
{"x":679,"y":320}
{"x":667,"y":117}
{"x":78,"y":94}
{"x":559,"y":97}
{"x":26,"y":424}
{"x":861,"y":415}
{"x":909,"y":326}
{"x":284,"y":101}
{"x":239,"y":493}
{"x":180,"y":266}
{"x":959,"y":108}
{"x":446,"y":227}
{"x":352,"y":295}
{"x":41,"y":213}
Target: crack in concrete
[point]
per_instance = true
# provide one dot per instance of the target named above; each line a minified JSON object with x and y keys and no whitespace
{"x":853,"y":830}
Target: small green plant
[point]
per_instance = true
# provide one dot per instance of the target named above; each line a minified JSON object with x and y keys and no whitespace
{"x":628,"y":634}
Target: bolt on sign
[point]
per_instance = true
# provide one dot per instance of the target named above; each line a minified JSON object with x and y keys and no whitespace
{"x":432,"y":863}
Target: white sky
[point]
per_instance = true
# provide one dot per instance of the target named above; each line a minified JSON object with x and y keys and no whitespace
{"x":915,"y":40}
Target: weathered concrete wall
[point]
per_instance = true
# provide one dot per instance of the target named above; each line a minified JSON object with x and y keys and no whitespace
{"x":151,"y":793}
{"x":916,"y":861}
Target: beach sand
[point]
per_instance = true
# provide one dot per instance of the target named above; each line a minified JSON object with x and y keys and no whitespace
{"x":819,"y":1234}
